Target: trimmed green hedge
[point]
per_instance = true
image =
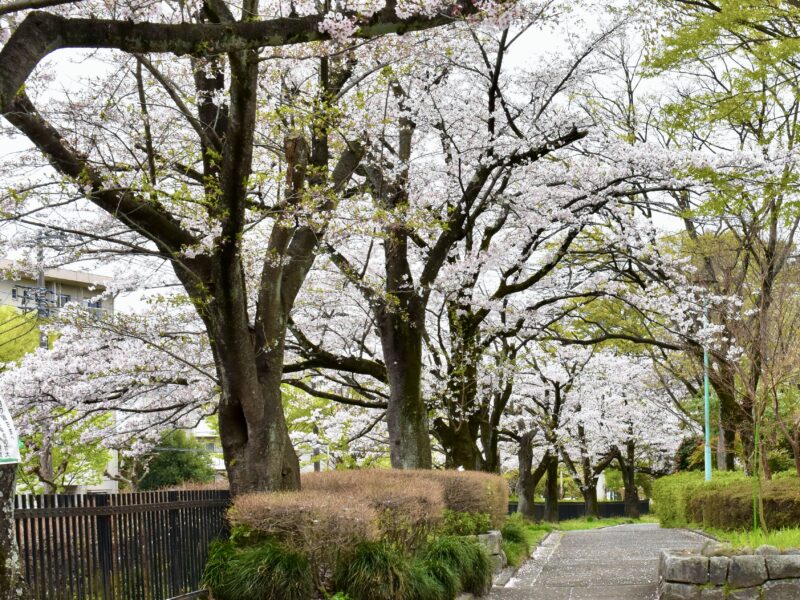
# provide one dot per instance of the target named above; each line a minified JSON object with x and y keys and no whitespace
{"x":671,"y":494}
{"x":726,"y":502}
{"x":732,"y":506}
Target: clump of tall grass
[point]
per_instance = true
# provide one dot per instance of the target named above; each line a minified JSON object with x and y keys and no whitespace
{"x":265,"y":571}
{"x":379,"y":571}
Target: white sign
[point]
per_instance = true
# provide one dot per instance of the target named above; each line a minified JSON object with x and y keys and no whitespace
{"x":9,"y":438}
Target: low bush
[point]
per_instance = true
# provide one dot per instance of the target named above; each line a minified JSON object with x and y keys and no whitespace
{"x":465,"y":558}
{"x":266,"y":571}
{"x":731,"y":507}
{"x":671,"y":494}
{"x":318,"y":524}
{"x":726,"y":502}
{"x":405,"y":510}
{"x":471,"y":492}
{"x":459,"y":523}
{"x":369,"y":535}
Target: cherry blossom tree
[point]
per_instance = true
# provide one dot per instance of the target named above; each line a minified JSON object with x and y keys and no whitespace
{"x":191,"y":183}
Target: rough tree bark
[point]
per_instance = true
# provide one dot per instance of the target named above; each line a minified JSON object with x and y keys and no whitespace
{"x":627,"y":464}
{"x":11,"y":584}
{"x":529,"y":477}
{"x":551,"y":492}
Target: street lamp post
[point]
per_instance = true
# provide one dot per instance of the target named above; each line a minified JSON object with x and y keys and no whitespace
{"x":707,"y":399}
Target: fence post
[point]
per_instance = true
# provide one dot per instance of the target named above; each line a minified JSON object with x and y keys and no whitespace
{"x":105,"y":550}
{"x":175,"y":555}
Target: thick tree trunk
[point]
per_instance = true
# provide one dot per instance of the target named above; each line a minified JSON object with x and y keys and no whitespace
{"x":11,"y":585}
{"x":551,"y":493}
{"x":526,"y":487}
{"x":628,"y":468}
{"x":460,"y":430}
{"x":407,"y":415}
{"x":255,"y":439}
{"x":528,"y":477}
{"x":46,"y":472}
{"x":458,"y":439}
{"x":590,"y":503}
{"x":725,"y":448}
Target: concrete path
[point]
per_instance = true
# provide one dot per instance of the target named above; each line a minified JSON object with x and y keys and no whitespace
{"x":617,"y":563}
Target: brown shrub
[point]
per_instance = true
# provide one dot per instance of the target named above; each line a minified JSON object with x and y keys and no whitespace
{"x":317,"y":522}
{"x":461,"y":491}
{"x":472,"y":491}
{"x":337,"y":509}
{"x":407,"y":509}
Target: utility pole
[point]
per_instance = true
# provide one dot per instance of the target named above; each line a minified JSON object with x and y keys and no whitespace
{"x":707,"y":396}
{"x":43,"y":312}
{"x":42,"y":309}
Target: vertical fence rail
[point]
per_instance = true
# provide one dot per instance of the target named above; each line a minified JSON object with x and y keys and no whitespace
{"x":137,"y":546}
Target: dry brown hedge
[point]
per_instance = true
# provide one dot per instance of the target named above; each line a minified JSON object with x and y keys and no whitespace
{"x":337,"y":509}
{"x":404,"y":509}
{"x":472,"y":491}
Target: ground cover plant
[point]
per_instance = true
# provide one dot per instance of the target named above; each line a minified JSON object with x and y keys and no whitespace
{"x":369,"y":534}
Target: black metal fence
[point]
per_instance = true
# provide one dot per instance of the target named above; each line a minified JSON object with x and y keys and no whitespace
{"x":129,"y":546}
{"x":577,"y":510}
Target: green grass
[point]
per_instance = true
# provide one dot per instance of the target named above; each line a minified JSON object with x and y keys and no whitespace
{"x":780,"y":538}
{"x":581,"y":524}
{"x":379,"y":571}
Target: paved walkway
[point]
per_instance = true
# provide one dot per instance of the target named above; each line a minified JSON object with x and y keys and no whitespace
{"x":617,"y":563}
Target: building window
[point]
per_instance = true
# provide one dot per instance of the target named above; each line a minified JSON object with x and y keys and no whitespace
{"x":63,"y":300}
{"x":14,"y":293}
{"x":95,"y":304}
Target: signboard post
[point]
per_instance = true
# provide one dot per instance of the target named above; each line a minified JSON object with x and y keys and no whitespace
{"x":9,"y":438}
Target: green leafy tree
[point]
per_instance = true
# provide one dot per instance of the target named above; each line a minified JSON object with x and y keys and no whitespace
{"x":179,"y":459}
{"x":74,"y":462}
{"x":19,"y":334}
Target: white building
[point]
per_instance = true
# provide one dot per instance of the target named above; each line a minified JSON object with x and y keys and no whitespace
{"x":206,"y":435}
{"x":18,"y":288}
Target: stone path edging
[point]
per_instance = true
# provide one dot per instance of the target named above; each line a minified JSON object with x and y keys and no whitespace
{"x":509,"y":572}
